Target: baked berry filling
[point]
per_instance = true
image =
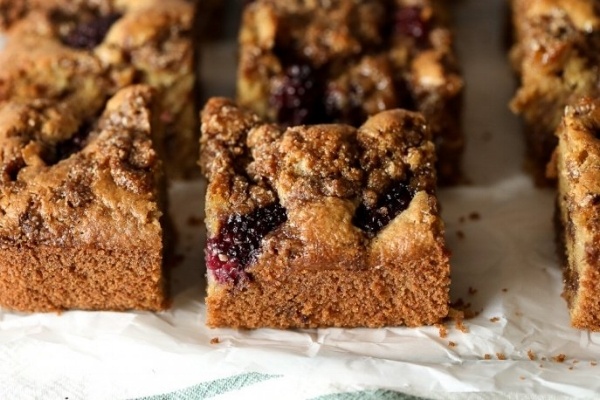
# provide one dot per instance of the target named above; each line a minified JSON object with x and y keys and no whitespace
{"x":90,"y":33}
{"x":66,"y":148}
{"x":409,"y":21}
{"x":393,"y":201}
{"x":237,"y":244}
{"x":297,"y":96}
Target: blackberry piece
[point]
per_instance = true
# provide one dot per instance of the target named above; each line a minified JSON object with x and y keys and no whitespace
{"x":393,"y":201}
{"x":90,"y":33}
{"x":409,"y":21}
{"x":297,"y":96}
{"x":234,"y":248}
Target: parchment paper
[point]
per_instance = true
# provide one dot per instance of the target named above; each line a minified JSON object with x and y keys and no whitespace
{"x":500,"y":232}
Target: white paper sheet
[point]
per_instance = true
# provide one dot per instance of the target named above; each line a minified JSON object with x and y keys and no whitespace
{"x":507,"y":256}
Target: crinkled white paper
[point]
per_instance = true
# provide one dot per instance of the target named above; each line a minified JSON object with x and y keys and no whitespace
{"x":504,"y":264}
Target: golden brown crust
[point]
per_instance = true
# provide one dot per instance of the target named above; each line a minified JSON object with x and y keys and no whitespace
{"x":555,"y":54}
{"x":66,"y":184}
{"x":148,"y":42}
{"x":578,"y":210}
{"x":318,"y":268}
{"x":359,"y":65}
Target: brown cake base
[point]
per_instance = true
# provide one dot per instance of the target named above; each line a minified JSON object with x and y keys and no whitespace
{"x":45,"y":278}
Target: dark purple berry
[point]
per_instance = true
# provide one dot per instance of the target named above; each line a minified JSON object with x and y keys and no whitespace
{"x":395,"y":200}
{"x":297,"y":96}
{"x":408,"y":21}
{"x":66,"y":148}
{"x":90,"y":33}
{"x":239,"y":240}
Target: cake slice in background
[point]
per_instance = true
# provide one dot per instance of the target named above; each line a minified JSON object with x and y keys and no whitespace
{"x":555,"y":54}
{"x":342,"y":61}
{"x":53,"y":43}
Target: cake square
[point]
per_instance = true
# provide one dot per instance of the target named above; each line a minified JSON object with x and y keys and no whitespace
{"x":53,"y":45}
{"x":344,"y":60}
{"x":321,"y":225}
{"x":82,"y":203}
{"x":555,"y":53}
{"x":578,"y":210}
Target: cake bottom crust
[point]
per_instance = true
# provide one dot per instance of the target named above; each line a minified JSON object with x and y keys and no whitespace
{"x":47,"y":278}
{"x":375,"y":297}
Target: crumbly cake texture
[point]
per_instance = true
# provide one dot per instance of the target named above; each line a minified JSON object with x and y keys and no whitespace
{"x":340,"y":61}
{"x":321,"y":225}
{"x":81,"y":206}
{"x":61,"y":47}
{"x":555,"y":54}
{"x":578,"y":210}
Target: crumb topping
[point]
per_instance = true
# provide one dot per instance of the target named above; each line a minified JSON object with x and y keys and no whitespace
{"x":338,"y":186}
{"x":63,"y":171}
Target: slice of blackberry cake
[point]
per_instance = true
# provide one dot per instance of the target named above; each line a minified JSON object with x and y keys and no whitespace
{"x":53,"y":45}
{"x":321,"y":225}
{"x":576,"y":162}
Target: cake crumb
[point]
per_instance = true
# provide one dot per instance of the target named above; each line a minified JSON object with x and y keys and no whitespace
{"x":474,"y":216}
{"x":593,"y":363}
{"x":215,"y":340}
{"x":531,"y":355}
{"x":451,"y":344}
{"x":501,"y":356}
{"x":522,"y":377}
{"x":541,"y":365}
{"x":571,"y":368}
{"x":487,"y":356}
{"x":460,"y":234}
{"x":494,"y":319}
{"x":559,"y":358}
{"x":459,"y":306}
{"x":472,"y":290}
{"x":443,"y":331}
{"x":544,"y":359}
{"x":505,"y":290}
{"x":462,"y":327}
{"x":194,"y":221}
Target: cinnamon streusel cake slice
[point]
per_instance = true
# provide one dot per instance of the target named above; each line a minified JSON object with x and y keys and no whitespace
{"x":321,"y":225}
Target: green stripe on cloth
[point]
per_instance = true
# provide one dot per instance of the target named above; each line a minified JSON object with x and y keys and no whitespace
{"x":379,"y":394}
{"x":210,"y":389}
